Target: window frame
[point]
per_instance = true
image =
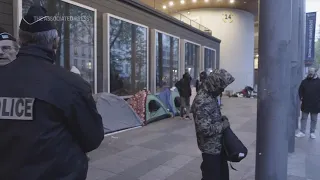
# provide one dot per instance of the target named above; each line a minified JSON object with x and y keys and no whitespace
{"x":215,"y":57}
{"x":106,"y":47}
{"x":18,"y":13}
{"x":154,"y":84}
{"x":184,"y":42}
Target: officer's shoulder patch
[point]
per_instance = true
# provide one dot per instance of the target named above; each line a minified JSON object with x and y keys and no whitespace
{"x":13,"y":108}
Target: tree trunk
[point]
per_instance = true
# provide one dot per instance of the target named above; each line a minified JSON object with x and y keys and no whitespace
{"x":160,"y":59}
{"x":133,"y":57}
{"x":171,"y":61}
{"x":66,"y":38}
{"x":117,"y":35}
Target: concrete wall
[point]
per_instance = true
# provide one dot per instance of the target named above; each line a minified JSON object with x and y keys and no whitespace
{"x":237,"y":41}
{"x":6,"y":15}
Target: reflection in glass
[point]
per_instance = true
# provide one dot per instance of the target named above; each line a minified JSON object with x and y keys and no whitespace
{"x":76,"y":35}
{"x":209,"y":60}
{"x":167,"y":61}
{"x":128,"y":57}
{"x":192,"y":60}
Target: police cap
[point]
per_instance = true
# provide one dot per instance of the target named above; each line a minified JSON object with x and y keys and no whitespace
{"x":4,"y":35}
{"x":36,"y":20}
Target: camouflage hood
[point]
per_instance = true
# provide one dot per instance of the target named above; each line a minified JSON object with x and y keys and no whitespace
{"x":217,"y":81}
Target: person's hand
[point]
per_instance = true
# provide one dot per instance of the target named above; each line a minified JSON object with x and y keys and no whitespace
{"x":225,"y":122}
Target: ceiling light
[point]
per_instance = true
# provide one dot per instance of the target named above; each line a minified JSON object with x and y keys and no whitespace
{"x":171,"y":3}
{"x":182,"y":1}
{"x":245,"y":2}
{"x":194,"y":1}
{"x":206,"y":0}
{"x":232,"y":1}
{"x":164,"y":7}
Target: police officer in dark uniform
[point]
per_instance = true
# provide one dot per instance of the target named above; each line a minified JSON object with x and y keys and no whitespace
{"x":48,"y":118}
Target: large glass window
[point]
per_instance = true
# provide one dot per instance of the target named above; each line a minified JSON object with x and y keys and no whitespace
{"x":209,"y":60}
{"x":128,"y":57}
{"x":167,"y":60}
{"x":76,"y":35}
{"x":192,"y":60}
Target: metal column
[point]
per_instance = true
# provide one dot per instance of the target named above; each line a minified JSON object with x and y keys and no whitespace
{"x":295,"y":76}
{"x":274,"y":89}
{"x":302,"y":31}
{"x":152,"y":63}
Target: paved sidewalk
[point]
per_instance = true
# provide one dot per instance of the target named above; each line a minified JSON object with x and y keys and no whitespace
{"x":167,"y":150}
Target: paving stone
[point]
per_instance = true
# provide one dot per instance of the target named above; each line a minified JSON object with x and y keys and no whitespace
{"x":297,"y":164}
{"x":148,"y":165}
{"x":144,"y":138}
{"x":193,"y":165}
{"x":98,"y":174}
{"x":313,"y":167}
{"x":166,"y":127}
{"x":187,"y":148}
{"x":164,"y":142}
{"x":297,"y":178}
{"x":114,"y":143}
{"x":121,"y":177}
{"x":159,"y":173}
{"x":101,"y":153}
{"x":137,"y":152}
{"x":248,"y":126}
{"x":115,"y":164}
{"x":184,"y":175}
{"x":242,"y":170}
{"x":179,"y":161}
{"x":187,"y":131}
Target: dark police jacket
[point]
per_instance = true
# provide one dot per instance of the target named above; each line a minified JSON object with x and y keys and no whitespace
{"x":48,"y":120}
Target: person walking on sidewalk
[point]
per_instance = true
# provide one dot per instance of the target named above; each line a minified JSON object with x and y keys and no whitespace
{"x":309,"y":93}
{"x":203,"y":76}
{"x":184,"y":89}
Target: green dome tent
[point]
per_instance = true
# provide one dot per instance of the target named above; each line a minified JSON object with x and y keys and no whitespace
{"x":148,"y":107}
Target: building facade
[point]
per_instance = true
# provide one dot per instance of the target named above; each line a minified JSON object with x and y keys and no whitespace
{"x":237,"y":40}
{"x":234,"y":22}
{"x":123,"y":46}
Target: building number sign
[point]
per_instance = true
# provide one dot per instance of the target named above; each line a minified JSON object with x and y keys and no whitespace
{"x":227,"y":17}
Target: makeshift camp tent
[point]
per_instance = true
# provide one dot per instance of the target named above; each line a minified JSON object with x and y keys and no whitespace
{"x":171,"y":99}
{"x":175,"y":98}
{"x":148,"y":107}
{"x":116,"y":113}
{"x":165,"y":97}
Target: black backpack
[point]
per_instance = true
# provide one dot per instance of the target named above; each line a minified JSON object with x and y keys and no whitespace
{"x":234,"y":149}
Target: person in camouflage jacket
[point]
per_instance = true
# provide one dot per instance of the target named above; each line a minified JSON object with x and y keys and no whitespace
{"x":210,"y":124}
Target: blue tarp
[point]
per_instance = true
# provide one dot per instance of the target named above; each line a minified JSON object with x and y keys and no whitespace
{"x":165,"y":97}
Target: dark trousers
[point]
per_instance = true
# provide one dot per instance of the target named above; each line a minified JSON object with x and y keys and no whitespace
{"x":214,"y":167}
{"x":185,"y":104}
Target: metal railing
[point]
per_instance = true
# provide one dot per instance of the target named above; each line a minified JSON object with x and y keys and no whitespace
{"x":192,"y":23}
{"x":170,"y":11}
